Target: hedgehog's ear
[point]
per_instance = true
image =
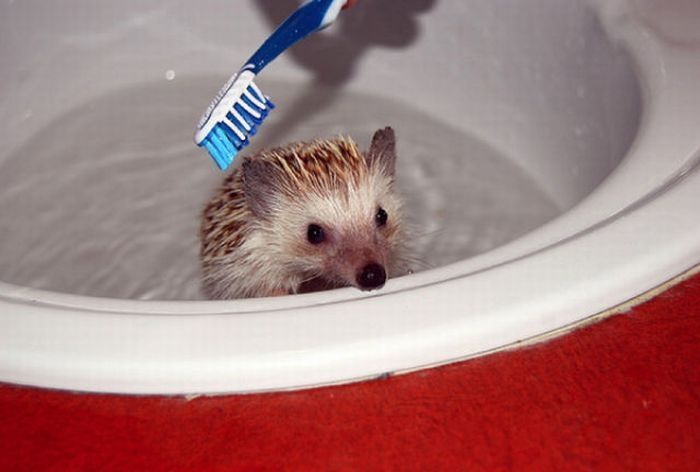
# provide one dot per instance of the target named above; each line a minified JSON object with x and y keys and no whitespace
{"x":383,"y":150}
{"x":259,"y":184}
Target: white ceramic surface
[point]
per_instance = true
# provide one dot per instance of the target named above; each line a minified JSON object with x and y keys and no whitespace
{"x":544,"y":81}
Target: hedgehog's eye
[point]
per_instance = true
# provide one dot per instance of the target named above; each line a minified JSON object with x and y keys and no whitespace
{"x":315,"y":234}
{"x":381,"y":217}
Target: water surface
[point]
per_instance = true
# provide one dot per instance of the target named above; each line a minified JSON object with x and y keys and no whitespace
{"x":106,"y":200}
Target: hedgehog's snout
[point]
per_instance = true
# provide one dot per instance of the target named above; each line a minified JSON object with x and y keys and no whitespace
{"x":371,"y":276}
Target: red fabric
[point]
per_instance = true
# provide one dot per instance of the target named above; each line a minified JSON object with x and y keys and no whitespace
{"x":623,"y":394}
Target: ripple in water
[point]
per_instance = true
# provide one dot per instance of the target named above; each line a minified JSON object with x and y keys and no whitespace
{"x":106,"y":200}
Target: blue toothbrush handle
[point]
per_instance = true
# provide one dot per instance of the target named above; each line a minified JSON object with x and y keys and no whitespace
{"x":311,"y":16}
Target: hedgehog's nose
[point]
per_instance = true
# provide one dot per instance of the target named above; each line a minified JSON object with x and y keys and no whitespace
{"x":371,"y":276}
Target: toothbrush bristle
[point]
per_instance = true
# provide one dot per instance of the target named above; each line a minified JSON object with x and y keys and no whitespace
{"x":232,"y":134}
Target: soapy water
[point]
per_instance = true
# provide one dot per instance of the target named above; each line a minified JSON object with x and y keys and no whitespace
{"x":106,"y":200}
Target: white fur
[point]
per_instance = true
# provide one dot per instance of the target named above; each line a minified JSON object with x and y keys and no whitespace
{"x":267,"y":262}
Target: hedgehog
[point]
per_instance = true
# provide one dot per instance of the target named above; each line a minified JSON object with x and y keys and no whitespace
{"x":305,"y":217}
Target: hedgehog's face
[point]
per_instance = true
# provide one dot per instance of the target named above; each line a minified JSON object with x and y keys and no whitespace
{"x":345,"y":239}
{"x":345,"y":234}
{"x":347,"y":257}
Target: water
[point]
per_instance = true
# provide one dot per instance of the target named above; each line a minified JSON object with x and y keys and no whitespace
{"x":106,"y":200}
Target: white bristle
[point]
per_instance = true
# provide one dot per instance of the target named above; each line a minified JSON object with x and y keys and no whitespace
{"x":234,"y":128}
{"x":254,"y":100}
{"x":252,"y":111}
{"x":240,"y":119}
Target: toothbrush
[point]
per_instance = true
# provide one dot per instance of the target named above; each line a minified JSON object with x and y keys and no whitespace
{"x":240,"y":107}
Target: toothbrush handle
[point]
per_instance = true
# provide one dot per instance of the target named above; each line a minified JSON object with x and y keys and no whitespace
{"x":308,"y":18}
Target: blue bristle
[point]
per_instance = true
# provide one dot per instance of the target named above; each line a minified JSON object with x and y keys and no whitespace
{"x":214,"y":152}
{"x":253,"y":121}
{"x":269,"y":105}
{"x":250,"y":104}
{"x":220,"y":146}
{"x":223,"y":143}
{"x":233,"y":137}
{"x":255,"y":94}
{"x":221,"y":134}
{"x":245,"y":115}
{"x":216,"y":140}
